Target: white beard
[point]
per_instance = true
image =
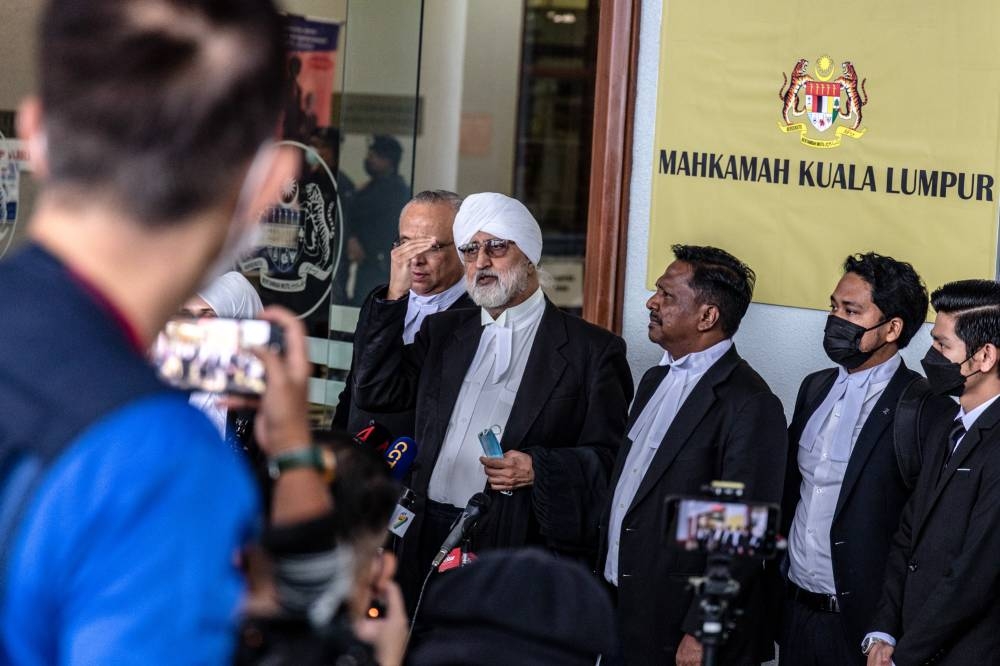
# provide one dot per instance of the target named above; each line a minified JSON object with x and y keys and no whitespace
{"x":508,"y":284}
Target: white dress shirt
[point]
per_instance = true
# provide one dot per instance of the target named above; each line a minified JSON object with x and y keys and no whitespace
{"x":418,"y":307}
{"x":485,"y":399}
{"x":647,"y":434}
{"x":823,"y":454}
{"x":969,"y":418}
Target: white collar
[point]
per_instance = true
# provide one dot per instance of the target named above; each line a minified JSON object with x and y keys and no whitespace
{"x":444,"y":299}
{"x":968,"y":419}
{"x":878,"y":374}
{"x":698,"y":361}
{"x":521,"y":313}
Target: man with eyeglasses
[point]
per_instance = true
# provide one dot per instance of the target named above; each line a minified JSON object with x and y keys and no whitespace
{"x":554,"y":388}
{"x":426,"y":271}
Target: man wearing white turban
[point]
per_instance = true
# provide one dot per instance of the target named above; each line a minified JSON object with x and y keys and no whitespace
{"x":555,"y":390}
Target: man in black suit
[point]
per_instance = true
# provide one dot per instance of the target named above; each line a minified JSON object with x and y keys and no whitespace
{"x":939,"y":602}
{"x":850,"y":467}
{"x":373,"y":210}
{"x":427,"y":272}
{"x":555,"y":388}
{"x":703,"y":414}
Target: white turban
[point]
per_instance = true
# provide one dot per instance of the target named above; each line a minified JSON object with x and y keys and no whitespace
{"x":232,"y":295}
{"x":499,"y":216}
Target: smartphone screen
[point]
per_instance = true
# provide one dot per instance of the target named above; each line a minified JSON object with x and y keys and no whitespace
{"x":729,"y":527}
{"x":214,"y":355}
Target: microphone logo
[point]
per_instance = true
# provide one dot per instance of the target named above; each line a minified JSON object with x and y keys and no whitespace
{"x":399,"y":456}
{"x":396,"y":453}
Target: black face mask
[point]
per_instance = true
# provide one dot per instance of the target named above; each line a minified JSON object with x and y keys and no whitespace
{"x":944,"y":375}
{"x":841,"y":341}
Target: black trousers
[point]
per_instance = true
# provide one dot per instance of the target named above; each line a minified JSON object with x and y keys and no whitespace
{"x":437,"y":522}
{"x":815,"y":638}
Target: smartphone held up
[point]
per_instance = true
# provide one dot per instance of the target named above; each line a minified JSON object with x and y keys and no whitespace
{"x":215,"y":355}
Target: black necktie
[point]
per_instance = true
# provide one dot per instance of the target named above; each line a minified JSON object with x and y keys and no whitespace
{"x":957,"y":432}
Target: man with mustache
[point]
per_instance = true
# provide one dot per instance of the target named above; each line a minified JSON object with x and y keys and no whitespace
{"x":554,"y":388}
{"x":702,"y":414}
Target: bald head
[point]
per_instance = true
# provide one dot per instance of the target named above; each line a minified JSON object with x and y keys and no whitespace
{"x":431,"y":214}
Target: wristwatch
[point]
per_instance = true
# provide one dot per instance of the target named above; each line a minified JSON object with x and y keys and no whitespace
{"x":313,"y":457}
{"x":869,"y":642}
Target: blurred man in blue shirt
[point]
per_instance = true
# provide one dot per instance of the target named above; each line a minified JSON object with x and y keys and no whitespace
{"x":121,"y":510}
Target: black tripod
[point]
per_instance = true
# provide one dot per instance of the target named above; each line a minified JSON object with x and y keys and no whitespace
{"x":716,"y":591}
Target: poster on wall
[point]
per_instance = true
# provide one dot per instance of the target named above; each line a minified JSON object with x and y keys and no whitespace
{"x":795,"y":138}
{"x":312,"y":66}
{"x":302,"y":233}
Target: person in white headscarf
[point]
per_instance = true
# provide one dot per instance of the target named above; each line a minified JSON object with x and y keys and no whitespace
{"x":230,"y":296}
{"x":553,"y":388}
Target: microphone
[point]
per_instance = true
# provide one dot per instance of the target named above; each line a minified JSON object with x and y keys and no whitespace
{"x":400,"y":456}
{"x":375,"y":435}
{"x":403,"y":516}
{"x":477,"y":507}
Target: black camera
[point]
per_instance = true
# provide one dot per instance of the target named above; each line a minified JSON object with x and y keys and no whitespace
{"x":724,"y":527}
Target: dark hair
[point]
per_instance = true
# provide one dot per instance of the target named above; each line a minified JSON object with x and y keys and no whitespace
{"x":720,"y":279}
{"x":896,"y":288}
{"x":975,"y":305}
{"x":386,"y":146}
{"x":158,"y":104}
{"x":437,"y":197}
{"x":364,"y":494}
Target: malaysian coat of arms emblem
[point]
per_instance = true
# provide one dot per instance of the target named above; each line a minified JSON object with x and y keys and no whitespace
{"x":827,"y":101}
{"x":301,"y":237}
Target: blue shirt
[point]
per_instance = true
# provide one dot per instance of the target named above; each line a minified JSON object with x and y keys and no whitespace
{"x":127,"y":550}
{"x":121,"y":509}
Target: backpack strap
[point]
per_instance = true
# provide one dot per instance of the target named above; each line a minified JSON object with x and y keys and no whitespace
{"x":907,"y":435}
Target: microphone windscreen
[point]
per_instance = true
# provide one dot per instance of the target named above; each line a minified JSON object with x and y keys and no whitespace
{"x":400,"y":456}
{"x":480,"y":501}
{"x":374,"y":435}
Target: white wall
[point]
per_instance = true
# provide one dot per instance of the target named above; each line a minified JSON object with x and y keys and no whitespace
{"x":441,"y":89}
{"x":782,"y":344}
{"x":492,"y":64}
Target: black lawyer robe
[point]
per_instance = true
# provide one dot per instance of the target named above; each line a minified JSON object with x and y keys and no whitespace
{"x":871,"y":498}
{"x":731,"y":427}
{"x":352,"y":418}
{"x":569,"y":415}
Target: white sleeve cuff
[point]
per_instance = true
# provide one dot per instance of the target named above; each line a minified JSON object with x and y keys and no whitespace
{"x":882,"y":636}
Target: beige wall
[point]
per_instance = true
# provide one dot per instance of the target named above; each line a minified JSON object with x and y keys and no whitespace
{"x":17,"y":45}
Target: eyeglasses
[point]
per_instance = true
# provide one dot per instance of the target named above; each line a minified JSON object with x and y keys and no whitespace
{"x":495,"y":248}
{"x":433,"y":249}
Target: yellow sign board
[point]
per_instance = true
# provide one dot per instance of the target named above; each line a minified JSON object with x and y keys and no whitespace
{"x":793,"y":135}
